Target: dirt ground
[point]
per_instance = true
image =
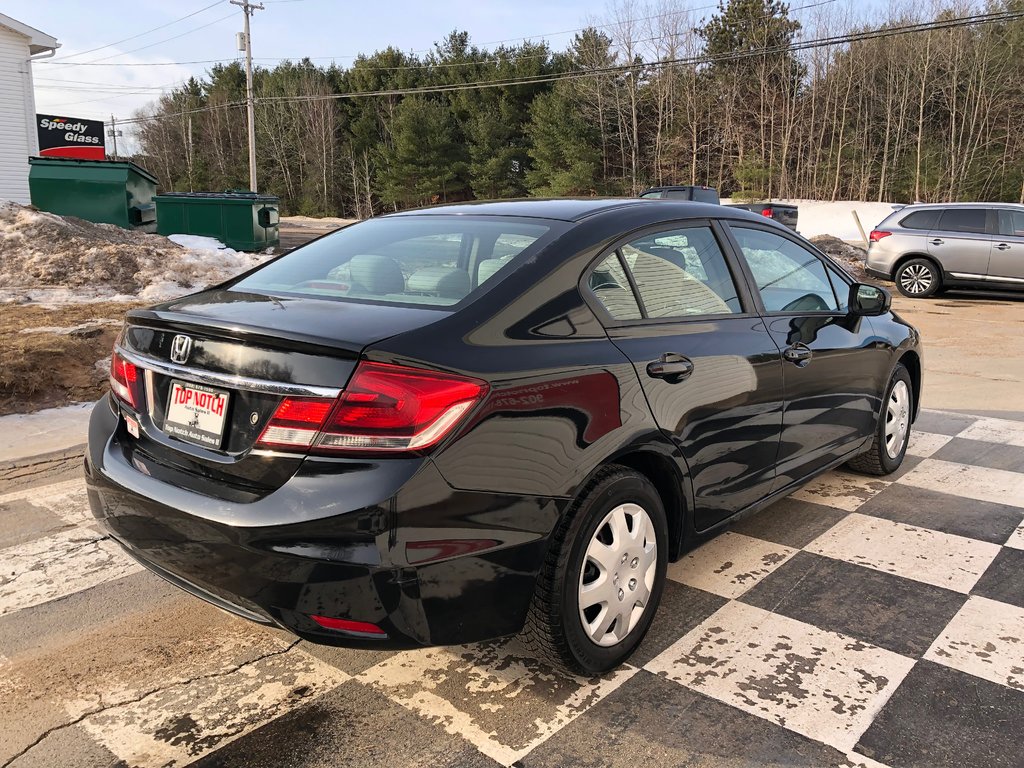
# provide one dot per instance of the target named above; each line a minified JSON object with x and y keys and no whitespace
{"x":53,"y":357}
{"x":973,"y":350}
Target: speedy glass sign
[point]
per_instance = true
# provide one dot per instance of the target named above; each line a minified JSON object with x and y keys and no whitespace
{"x":70,"y":137}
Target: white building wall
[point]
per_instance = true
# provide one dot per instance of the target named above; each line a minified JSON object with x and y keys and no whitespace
{"x":18,"y":138}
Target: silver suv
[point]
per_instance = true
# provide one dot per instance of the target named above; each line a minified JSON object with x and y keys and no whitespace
{"x":925,"y":248}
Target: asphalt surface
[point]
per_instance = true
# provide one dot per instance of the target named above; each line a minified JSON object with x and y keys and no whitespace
{"x":861,"y":621}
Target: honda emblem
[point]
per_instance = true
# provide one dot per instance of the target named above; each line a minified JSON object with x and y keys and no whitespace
{"x":181,"y":348}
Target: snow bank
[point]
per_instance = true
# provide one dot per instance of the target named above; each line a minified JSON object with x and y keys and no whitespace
{"x":59,"y":259}
{"x":836,"y":218}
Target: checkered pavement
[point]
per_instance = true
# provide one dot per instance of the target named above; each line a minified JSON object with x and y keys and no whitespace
{"x":860,"y":622}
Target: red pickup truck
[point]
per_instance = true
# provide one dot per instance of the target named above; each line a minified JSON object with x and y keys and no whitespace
{"x":782,"y":213}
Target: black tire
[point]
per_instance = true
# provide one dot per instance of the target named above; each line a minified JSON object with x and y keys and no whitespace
{"x":918,"y":278}
{"x":554,"y":629}
{"x":877,"y":461}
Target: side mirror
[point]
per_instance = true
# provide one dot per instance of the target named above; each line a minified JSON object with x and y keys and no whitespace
{"x":869,"y":300}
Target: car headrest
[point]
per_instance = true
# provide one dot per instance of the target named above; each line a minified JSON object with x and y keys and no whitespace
{"x":619,"y":301}
{"x":375,"y":274}
{"x":488,"y":267}
{"x":448,"y":282}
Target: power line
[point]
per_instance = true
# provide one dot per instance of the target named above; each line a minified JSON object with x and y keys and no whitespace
{"x":821,"y":42}
{"x":824,"y":42}
{"x":529,"y":38}
{"x":100,"y":61}
{"x":140,"y":34}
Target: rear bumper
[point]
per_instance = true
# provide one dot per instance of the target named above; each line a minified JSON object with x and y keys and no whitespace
{"x":427,"y":564}
{"x":878,"y":273}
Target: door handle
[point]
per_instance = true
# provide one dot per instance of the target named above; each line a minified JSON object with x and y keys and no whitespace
{"x":671,"y":367}
{"x":1002,"y":247}
{"x":799,"y":354}
{"x":937,"y":241}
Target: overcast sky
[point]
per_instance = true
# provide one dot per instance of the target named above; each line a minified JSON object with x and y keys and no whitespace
{"x":320,"y":29}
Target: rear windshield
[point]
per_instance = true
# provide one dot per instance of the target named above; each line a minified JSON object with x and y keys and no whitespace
{"x":432,"y":260}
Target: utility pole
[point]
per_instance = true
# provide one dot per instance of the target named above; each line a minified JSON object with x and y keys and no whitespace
{"x":113,"y":133}
{"x":248,"y":9}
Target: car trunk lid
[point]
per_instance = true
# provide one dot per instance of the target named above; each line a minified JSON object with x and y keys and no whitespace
{"x":213,"y":369}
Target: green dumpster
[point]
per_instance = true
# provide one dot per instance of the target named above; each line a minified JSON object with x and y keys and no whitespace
{"x":105,"y":191}
{"x":242,"y":220}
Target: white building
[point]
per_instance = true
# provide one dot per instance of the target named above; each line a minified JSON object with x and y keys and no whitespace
{"x":19,"y":44}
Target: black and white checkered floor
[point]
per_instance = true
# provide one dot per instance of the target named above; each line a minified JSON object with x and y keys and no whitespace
{"x":860,"y":622}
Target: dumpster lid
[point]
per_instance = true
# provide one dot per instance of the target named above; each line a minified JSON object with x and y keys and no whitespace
{"x":231,"y":194}
{"x":74,"y":161}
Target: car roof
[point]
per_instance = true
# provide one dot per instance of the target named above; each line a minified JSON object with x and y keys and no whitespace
{"x":571,"y":209}
{"x":926,"y":206}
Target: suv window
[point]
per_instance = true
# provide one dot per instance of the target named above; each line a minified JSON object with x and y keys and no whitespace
{"x":705,"y":195}
{"x":682,"y":273}
{"x":789,"y":277}
{"x":1011,"y":223}
{"x":963,"y":220}
{"x":921,"y":219}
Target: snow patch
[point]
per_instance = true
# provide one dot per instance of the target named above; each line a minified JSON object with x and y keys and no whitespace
{"x":60,"y":259}
{"x":835,"y":218}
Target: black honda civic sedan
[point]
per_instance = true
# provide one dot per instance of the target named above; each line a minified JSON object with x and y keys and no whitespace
{"x":470,"y":421}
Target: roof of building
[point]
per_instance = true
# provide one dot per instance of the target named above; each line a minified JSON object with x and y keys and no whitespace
{"x":38,"y":42}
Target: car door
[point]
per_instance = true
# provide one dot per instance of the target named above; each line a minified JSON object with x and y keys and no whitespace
{"x":1006,"y":262}
{"x":832,"y":370}
{"x":710,"y":371}
{"x":962,"y":241}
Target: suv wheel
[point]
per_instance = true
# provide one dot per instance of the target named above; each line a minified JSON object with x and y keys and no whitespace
{"x":601,"y":582}
{"x":918,"y":278}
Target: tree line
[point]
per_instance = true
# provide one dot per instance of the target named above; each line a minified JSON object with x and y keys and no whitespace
{"x":650,"y":95}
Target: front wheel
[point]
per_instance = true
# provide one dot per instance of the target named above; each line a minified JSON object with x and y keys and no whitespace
{"x":892,"y":434}
{"x":601,"y":582}
{"x":918,"y":279}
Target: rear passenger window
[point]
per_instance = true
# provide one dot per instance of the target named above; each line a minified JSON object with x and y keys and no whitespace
{"x":681,"y":273}
{"x":611,"y":287}
{"x":1011,"y":223}
{"x":788,"y":276}
{"x":963,"y":220}
{"x":923,"y":220}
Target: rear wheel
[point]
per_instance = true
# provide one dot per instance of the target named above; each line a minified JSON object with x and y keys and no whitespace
{"x":602,"y":580}
{"x":893,"y":432}
{"x":918,"y":278}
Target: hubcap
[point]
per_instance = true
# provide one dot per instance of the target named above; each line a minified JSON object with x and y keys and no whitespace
{"x":618,"y":574}
{"x":897,"y":419}
{"x":916,"y":278}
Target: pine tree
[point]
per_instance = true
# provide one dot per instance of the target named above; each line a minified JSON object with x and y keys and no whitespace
{"x":563,"y":148}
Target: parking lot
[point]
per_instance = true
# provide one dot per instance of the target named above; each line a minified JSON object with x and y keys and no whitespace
{"x":861,"y":621}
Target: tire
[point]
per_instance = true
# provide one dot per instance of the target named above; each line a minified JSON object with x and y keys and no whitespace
{"x":918,"y":278}
{"x":606,"y":514}
{"x":893,"y":431}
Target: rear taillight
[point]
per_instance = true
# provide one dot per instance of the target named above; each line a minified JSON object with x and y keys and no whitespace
{"x":768,"y":212}
{"x":384,"y":408}
{"x":124,"y":377}
{"x":878,"y":234}
{"x":296,"y":422}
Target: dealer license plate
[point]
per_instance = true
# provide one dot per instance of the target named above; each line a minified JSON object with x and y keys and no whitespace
{"x":196,"y":414}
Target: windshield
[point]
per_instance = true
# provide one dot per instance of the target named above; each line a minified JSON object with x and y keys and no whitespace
{"x":431,"y":260}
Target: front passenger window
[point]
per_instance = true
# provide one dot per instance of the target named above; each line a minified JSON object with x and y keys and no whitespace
{"x":788,"y":276}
